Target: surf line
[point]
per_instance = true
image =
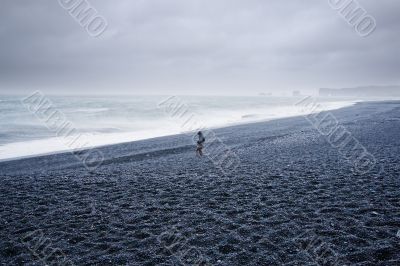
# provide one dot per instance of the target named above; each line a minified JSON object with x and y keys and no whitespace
{"x":56,"y":122}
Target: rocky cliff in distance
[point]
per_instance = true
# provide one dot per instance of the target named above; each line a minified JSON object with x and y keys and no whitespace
{"x":366,"y":91}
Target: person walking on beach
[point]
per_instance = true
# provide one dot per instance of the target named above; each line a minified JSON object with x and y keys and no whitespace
{"x":200,"y":142}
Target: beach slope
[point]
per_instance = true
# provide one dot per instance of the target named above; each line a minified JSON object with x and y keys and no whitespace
{"x":294,"y":199}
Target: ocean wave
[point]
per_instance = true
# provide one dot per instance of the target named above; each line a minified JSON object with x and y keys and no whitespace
{"x":111,"y":122}
{"x":91,"y":110}
{"x":249,"y":116}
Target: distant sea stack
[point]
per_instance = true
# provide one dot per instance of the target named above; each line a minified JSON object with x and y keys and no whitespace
{"x":367,"y":91}
{"x":296,"y":93}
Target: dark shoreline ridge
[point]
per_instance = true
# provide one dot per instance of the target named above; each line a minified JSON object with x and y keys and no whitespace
{"x":290,"y":189}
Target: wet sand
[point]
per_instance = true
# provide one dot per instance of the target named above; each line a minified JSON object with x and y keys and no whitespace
{"x":293,"y":200}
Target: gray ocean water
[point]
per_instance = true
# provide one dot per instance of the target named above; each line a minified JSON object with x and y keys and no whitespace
{"x":109,"y":120}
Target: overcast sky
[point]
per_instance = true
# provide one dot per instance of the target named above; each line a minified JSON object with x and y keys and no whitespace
{"x":195,"y":46}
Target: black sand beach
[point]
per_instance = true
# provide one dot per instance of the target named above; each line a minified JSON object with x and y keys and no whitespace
{"x":293,"y":200}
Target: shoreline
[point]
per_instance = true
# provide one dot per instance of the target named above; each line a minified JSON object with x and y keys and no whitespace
{"x":19,"y":145}
{"x":130,"y":148}
{"x":291,"y":189}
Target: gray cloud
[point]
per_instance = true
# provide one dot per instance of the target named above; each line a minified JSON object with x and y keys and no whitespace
{"x":192,"y":46}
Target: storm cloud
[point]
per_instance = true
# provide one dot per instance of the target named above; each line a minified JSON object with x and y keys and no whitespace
{"x":228,"y":47}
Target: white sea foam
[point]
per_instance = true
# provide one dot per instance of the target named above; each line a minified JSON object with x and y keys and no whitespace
{"x":121,"y":120}
{"x":57,"y":144}
{"x":91,"y":110}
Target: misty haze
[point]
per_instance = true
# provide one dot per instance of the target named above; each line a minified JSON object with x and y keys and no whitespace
{"x":188,"y":132}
